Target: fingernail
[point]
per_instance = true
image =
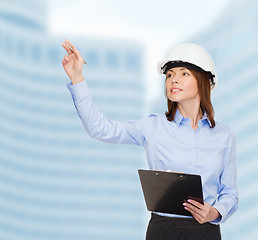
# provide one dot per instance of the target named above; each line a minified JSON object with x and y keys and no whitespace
{"x":184,"y":204}
{"x":188,"y":200}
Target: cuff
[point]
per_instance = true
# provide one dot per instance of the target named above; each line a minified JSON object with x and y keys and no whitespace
{"x":79,"y":90}
{"x":223,"y":212}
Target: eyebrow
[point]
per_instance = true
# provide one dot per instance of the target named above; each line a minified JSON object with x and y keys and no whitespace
{"x":181,"y":69}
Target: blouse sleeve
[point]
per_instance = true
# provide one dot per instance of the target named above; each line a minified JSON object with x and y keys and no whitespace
{"x":98,"y":126}
{"x":227,"y":202}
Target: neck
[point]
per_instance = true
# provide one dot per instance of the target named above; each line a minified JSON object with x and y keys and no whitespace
{"x":191,"y":111}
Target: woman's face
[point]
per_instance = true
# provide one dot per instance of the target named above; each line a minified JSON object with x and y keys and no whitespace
{"x":181,"y":86}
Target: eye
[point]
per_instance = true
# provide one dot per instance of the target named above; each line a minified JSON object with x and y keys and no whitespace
{"x":169,"y":76}
{"x":186,"y":74}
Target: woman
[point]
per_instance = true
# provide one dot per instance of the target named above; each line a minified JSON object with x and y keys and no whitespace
{"x":185,"y":139}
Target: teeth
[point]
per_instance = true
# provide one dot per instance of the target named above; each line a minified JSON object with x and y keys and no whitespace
{"x":175,"y":90}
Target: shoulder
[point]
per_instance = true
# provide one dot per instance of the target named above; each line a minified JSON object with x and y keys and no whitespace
{"x":157,"y":117}
{"x":154,"y":120}
{"x":222,"y":126}
{"x":223,"y":129}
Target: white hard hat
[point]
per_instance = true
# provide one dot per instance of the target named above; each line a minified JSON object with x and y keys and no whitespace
{"x":191,"y":56}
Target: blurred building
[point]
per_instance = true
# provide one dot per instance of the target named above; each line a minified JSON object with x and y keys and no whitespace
{"x":56,"y":182}
{"x":232,"y":40}
{"x":233,"y":43}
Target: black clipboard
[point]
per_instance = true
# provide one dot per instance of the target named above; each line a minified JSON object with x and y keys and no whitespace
{"x":166,"y":191}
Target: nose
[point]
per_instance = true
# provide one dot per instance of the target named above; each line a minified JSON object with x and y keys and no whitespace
{"x":175,"y":79}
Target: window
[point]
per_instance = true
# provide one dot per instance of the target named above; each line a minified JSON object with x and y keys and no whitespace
{"x":112,"y":60}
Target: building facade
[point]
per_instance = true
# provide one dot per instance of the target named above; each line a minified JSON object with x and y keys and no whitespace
{"x":56,"y":182}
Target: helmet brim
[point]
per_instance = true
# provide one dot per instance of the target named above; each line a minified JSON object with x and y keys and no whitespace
{"x":164,"y":66}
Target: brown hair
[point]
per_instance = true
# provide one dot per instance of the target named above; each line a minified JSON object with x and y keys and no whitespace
{"x":204,"y":88}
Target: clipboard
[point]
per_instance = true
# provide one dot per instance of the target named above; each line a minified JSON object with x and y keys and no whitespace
{"x":166,"y":191}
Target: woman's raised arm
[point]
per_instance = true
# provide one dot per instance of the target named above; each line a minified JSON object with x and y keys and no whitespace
{"x":95,"y":123}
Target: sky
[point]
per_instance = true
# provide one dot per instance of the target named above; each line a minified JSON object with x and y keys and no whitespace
{"x":158,"y":24}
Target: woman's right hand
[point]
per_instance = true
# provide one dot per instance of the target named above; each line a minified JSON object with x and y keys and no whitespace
{"x":73,"y":63}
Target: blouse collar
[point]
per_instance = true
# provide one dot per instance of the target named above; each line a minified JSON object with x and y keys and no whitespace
{"x":179,"y":118}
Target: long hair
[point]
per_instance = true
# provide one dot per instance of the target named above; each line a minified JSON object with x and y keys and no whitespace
{"x":204,"y":89}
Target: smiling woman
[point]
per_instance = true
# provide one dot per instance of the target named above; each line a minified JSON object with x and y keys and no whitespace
{"x":181,"y":87}
{"x":185,"y":139}
{"x":196,"y":83}
{"x":190,"y":76}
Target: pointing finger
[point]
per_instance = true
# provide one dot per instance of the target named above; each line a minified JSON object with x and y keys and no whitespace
{"x":69,"y":43}
{"x":68,"y":50}
{"x":74,"y":49}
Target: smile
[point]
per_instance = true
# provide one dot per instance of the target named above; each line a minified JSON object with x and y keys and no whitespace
{"x":175,"y":90}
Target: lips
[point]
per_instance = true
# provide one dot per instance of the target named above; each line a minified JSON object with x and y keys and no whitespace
{"x":175,"y":90}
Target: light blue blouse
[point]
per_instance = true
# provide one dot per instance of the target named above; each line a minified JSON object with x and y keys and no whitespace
{"x":209,"y":152}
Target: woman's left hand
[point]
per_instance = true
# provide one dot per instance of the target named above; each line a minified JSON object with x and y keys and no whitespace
{"x":201,"y":212}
